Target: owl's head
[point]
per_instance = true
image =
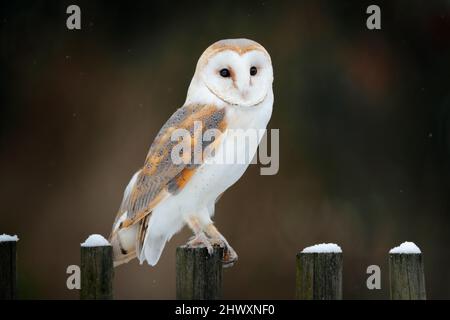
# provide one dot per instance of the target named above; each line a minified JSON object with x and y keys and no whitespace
{"x":237,"y":71}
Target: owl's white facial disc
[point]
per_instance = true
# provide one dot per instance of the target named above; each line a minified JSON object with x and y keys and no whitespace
{"x":242,"y":79}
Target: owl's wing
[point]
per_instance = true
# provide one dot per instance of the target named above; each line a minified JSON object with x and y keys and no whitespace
{"x":160,"y":177}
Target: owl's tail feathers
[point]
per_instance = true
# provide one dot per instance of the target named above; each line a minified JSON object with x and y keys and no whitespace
{"x":123,"y":242}
{"x":120,"y":256}
{"x":136,"y":241}
{"x":152,"y":248}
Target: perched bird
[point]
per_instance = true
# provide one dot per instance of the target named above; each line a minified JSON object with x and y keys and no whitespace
{"x":231,"y":89}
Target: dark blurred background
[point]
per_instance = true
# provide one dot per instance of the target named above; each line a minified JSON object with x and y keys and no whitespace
{"x":363,"y":118}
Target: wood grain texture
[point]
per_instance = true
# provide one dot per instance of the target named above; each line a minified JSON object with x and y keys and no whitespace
{"x":407,"y":277}
{"x":97,"y":273}
{"x":319,"y":276}
{"x":8,"y":275}
{"x":198,"y":274}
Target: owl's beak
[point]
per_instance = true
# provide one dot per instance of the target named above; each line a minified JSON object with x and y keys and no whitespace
{"x":244,"y":94}
{"x":243,"y":88}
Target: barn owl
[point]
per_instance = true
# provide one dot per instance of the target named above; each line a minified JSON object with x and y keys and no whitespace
{"x":231,"y":89}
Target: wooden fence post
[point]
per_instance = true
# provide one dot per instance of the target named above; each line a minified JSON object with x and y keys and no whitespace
{"x":8,"y":275}
{"x":406,"y":273}
{"x":198,"y":274}
{"x":97,"y":271}
{"x":319,"y":273}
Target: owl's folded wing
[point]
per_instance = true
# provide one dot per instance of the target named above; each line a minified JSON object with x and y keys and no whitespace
{"x":160,"y":176}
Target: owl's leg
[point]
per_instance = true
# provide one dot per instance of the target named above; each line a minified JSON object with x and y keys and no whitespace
{"x":216,"y":238}
{"x":199,"y":240}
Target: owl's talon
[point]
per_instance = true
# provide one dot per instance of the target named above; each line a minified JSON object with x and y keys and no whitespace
{"x":229,"y":255}
{"x":200,"y":241}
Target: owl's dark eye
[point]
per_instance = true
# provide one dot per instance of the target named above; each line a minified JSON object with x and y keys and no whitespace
{"x":253,"y":71}
{"x":225,"y":73}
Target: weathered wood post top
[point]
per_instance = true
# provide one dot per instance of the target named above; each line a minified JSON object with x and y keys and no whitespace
{"x":8,"y":274}
{"x":198,"y":273}
{"x":97,"y":270}
{"x":406,"y":273}
{"x":319,"y":272}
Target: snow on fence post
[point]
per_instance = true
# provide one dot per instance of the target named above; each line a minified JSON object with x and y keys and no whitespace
{"x":97,"y":271}
{"x":8,"y":275}
{"x":198,"y":274}
{"x":319,"y":273}
{"x":406,"y":273}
